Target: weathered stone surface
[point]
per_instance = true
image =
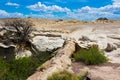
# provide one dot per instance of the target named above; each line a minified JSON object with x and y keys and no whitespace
{"x":85,"y":44}
{"x":110,"y":47}
{"x":60,"y":62}
{"x":84,"y":38}
{"x":2,"y":32}
{"x":113,"y":36}
{"x":25,"y":53}
{"x":43,"y":43}
{"x":114,"y":56}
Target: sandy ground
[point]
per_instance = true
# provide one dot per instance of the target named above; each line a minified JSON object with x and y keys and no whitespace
{"x":107,"y":71}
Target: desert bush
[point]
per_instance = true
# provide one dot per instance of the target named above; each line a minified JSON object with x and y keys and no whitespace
{"x":64,"y":75}
{"x":60,"y":19}
{"x":21,"y":68}
{"x":3,"y":69}
{"x":102,"y":18}
{"x":90,"y":56}
{"x":17,"y":69}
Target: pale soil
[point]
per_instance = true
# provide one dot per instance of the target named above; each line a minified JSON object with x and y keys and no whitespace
{"x":107,"y":71}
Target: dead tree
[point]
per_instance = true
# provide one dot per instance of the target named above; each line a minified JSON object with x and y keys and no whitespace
{"x":19,"y":33}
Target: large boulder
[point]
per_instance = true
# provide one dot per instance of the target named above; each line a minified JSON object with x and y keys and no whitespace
{"x":44,"y":43}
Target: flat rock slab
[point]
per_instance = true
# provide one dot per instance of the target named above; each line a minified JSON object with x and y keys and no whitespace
{"x":44,"y":43}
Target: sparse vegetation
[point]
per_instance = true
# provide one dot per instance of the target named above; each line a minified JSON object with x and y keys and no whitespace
{"x":64,"y":75}
{"x":90,"y":56}
{"x":3,"y":69}
{"x":21,"y":68}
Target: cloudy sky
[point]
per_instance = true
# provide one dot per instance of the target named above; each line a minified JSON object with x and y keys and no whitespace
{"x":60,"y":9}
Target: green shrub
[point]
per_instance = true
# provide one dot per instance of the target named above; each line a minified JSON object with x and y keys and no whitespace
{"x":21,"y":68}
{"x":64,"y":75}
{"x":3,"y":69}
{"x":90,"y":56}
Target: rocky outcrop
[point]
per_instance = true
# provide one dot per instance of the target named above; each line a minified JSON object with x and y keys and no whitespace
{"x":44,"y":43}
{"x":60,"y":62}
{"x":41,"y":41}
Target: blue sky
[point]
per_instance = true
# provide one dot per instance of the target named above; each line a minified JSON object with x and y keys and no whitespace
{"x":60,"y":9}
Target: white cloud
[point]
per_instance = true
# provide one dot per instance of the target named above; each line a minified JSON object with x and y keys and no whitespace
{"x":117,"y":2}
{"x":12,"y":4}
{"x":88,"y":13}
{"x":5,"y":14}
{"x":48,"y":2}
{"x":111,"y":11}
{"x":42,"y":7}
{"x":66,"y":1}
{"x":45,"y":15}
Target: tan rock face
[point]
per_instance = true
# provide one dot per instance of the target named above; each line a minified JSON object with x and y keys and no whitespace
{"x":60,"y":62}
